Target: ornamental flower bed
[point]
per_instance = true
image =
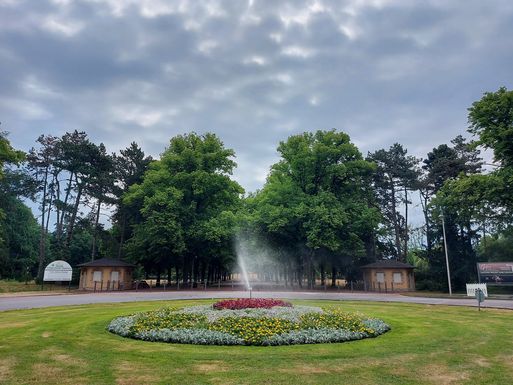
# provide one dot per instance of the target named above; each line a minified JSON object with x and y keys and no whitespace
{"x":258,"y":322}
{"x":250,"y":303}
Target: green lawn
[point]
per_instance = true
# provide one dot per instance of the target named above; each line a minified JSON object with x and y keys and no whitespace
{"x":12,"y":286}
{"x":427,"y":345}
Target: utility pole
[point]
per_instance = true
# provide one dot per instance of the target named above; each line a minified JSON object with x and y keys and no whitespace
{"x":446,"y":256}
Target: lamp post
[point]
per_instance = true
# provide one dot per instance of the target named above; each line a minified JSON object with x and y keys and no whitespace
{"x":446,"y":256}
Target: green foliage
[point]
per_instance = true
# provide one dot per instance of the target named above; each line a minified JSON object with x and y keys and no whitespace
{"x":491,"y":119}
{"x":8,"y":155}
{"x":396,"y":173}
{"x":335,"y":319}
{"x":167,"y":318}
{"x":19,"y":235}
{"x":318,"y":199}
{"x":496,"y":248}
{"x":187,"y":200}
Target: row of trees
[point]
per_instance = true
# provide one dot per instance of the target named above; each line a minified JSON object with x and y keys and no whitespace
{"x":324,"y":210}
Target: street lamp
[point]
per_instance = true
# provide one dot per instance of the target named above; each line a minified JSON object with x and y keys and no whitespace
{"x":446,"y":256}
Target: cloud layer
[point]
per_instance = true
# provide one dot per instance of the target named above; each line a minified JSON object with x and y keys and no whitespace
{"x":253,"y":72}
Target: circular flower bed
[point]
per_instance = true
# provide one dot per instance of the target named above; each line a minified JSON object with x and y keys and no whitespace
{"x":248,"y":322}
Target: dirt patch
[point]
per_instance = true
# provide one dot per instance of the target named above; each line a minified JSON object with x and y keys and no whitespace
{"x":13,"y":325}
{"x":60,"y":357}
{"x":6,"y":366}
{"x":440,"y":374}
{"x":129,"y":373}
{"x":507,"y":360}
{"x":41,"y":370}
{"x":481,"y":361}
{"x":46,"y":334}
{"x":304,"y":369}
{"x":211,"y":366}
{"x":340,"y":366}
{"x":56,"y":374}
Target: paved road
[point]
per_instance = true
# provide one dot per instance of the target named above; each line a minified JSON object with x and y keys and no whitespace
{"x":29,"y":302}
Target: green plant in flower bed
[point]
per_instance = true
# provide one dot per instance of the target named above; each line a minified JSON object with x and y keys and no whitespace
{"x":167,"y":318}
{"x":253,"y":330}
{"x":335,"y":319}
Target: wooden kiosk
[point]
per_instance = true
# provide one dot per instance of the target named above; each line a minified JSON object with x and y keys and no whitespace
{"x":388,"y":275}
{"x":106,"y":274}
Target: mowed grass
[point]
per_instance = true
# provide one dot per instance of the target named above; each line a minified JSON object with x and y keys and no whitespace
{"x":427,"y":345}
{"x":12,"y":286}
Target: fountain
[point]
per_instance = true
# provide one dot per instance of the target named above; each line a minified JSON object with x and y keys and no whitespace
{"x":241,"y":260}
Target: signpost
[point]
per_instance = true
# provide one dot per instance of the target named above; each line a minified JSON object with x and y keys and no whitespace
{"x":58,"y":271}
{"x":479,"y":291}
{"x":480,"y":298}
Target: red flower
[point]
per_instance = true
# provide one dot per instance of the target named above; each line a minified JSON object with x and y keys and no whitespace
{"x":250,"y":303}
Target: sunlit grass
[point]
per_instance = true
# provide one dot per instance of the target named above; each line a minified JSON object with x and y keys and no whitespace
{"x":427,"y":345}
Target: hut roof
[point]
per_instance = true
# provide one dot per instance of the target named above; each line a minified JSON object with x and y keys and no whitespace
{"x":106,"y":262}
{"x":388,"y":264}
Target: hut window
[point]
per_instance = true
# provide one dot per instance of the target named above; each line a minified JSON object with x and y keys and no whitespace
{"x":398,"y":278}
{"x":114,"y":276}
{"x":97,"y":276}
{"x":380,"y":277}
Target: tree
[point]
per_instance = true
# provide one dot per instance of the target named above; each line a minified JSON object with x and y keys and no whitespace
{"x":130,"y":167}
{"x":444,"y":163}
{"x":190,"y":190}
{"x":317,"y":201}
{"x":40,"y":164}
{"x":100,"y":186}
{"x":396,"y":174}
{"x":8,"y":155}
{"x":18,"y":239}
{"x":491,"y":119}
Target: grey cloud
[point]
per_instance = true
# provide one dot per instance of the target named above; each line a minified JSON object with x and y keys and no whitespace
{"x":253,"y":72}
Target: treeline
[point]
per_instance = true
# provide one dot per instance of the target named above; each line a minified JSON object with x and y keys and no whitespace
{"x":325,"y":209}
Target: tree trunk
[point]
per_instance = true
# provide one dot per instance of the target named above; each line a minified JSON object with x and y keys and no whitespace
{"x":60,"y":225}
{"x":397,"y":227}
{"x":42,"y":237}
{"x":405,"y":223}
{"x":157,"y":283}
{"x":73,"y":216}
{"x":95,"y":230}
{"x":122,"y":235}
{"x":424,"y":201}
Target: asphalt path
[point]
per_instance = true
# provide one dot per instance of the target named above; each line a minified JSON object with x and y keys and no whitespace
{"x":41,"y":301}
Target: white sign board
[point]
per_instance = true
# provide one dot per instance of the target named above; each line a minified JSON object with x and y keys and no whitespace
{"x":472,"y":287}
{"x":58,"y":271}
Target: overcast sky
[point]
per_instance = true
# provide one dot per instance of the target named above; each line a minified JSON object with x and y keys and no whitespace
{"x":253,"y":72}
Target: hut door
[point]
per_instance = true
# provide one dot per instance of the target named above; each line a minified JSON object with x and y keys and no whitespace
{"x":114,"y":276}
{"x":97,"y":276}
